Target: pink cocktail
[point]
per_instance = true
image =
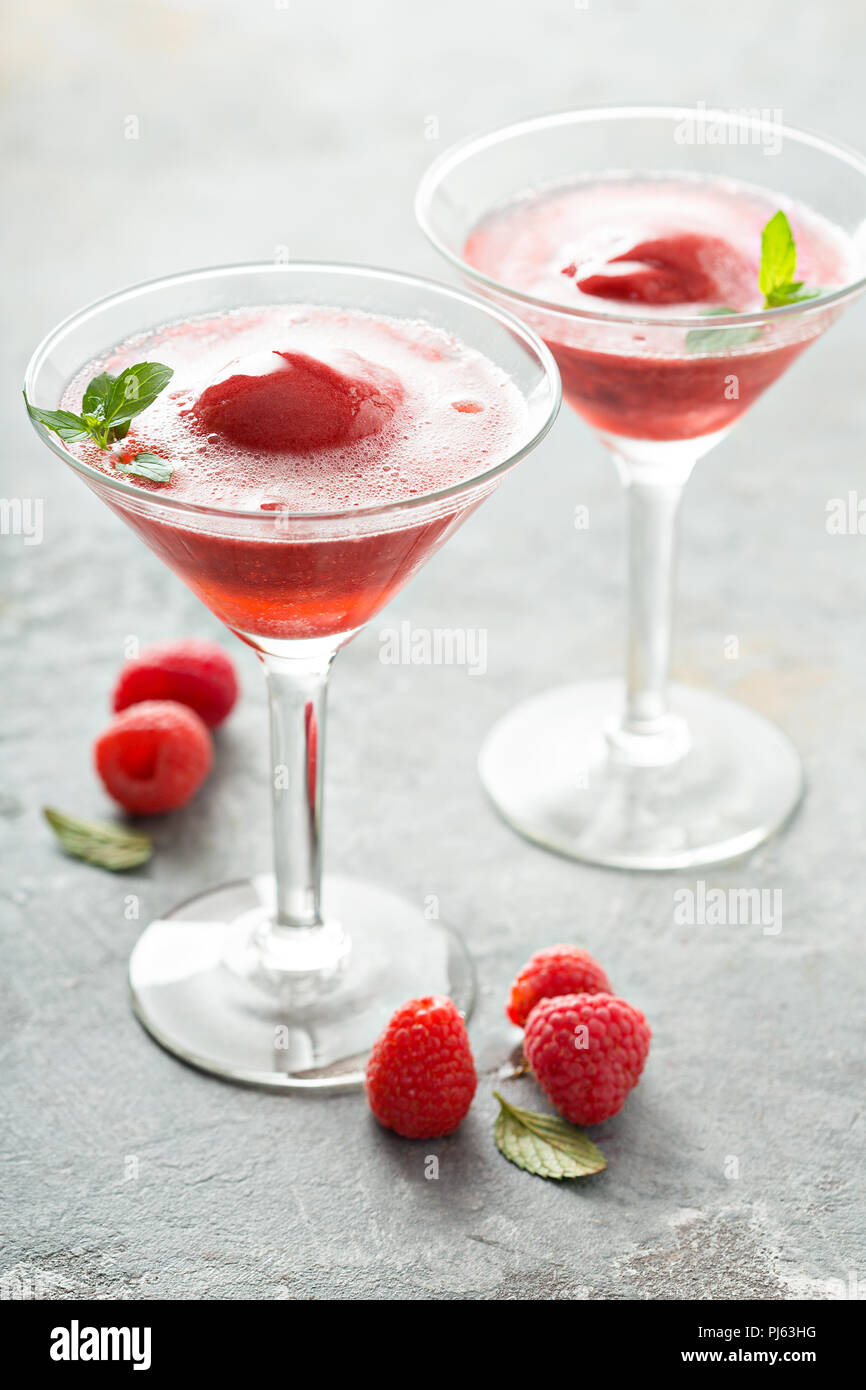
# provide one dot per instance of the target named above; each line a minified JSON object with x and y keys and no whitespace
{"x":361,"y":415}
{"x":324,"y":429}
{"x":675,"y":271}
{"x":656,"y":248}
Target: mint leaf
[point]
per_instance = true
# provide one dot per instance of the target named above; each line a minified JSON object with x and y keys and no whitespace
{"x":107,"y":846}
{"x":62,"y":422}
{"x":789,"y":294}
{"x":134,"y":390}
{"x":779,"y":264}
{"x":96,"y":395}
{"x":95,"y":404}
{"x":151,"y":466}
{"x":719,"y":339}
{"x":778,"y":254}
{"x":545,"y":1145}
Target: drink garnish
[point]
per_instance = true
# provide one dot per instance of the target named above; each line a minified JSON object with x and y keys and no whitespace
{"x":775,"y":281}
{"x":779,"y":264}
{"x":108,"y":407}
{"x":108,"y":846}
{"x":151,"y":466}
{"x":714,"y":339}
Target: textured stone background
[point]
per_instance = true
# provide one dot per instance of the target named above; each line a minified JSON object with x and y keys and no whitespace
{"x":305,"y":126}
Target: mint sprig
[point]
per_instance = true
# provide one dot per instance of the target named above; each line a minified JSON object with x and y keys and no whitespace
{"x":775,"y":281}
{"x":779,"y":265}
{"x":545,"y":1145}
{"x":108,"y":846}
{"x":108,"y":406}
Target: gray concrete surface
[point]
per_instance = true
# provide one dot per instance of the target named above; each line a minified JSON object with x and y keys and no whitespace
{"x":305,"y":126}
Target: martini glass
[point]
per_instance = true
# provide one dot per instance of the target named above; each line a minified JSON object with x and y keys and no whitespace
{"x":642,"y":774}
{"x":282,"y":980}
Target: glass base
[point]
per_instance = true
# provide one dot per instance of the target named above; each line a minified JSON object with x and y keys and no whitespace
{"x":560,"y":773}
{"x":214,"y":986}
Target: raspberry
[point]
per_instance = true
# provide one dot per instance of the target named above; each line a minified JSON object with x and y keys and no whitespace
{"x":421,"y":1076}
{"x":193,"y":672}
{"x":587,"y":1051}
{"x":555,"y":970}
{"x":154,"y":756}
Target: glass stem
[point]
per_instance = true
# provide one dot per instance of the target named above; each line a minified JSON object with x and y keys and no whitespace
{"x":653,"y":517}
{"x":649,"y":732}
{"x":297,"y":690}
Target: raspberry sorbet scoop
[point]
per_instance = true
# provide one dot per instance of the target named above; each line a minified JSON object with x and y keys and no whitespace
{"x":293,"y":402}
{"x":421,"y":1076}
{"x":666,"y":270}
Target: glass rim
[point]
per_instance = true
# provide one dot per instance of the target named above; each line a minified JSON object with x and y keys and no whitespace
{"x":458,"y":153}
{"x":528,"y":338}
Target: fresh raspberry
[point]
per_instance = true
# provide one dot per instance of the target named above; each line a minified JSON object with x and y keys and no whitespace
{"x":154,"y":756}
{"x":587,"y":1051}
{"x":555,"y":970}
{"x":193,"y":672}
{"x":421,"y":1076}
